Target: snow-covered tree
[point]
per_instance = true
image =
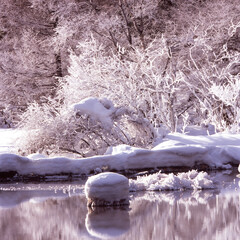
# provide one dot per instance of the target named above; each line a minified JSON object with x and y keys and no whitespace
{"x":28,"y":64}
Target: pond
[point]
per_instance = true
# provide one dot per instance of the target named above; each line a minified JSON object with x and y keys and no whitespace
{"x":59,"y":211}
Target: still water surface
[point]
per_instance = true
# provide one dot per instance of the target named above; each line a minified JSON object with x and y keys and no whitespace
{"x":59,"y":211}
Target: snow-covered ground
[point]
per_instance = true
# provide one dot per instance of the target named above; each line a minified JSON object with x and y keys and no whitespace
{"x":217,"y":151}
{"x":8,"y":137}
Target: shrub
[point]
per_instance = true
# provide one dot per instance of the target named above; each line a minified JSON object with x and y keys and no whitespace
{"x":50,"y":129}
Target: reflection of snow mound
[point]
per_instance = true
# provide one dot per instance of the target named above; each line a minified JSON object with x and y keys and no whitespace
{"x":107,"y":223}
{"x":160,"y":181}
{"x":107,"y":189}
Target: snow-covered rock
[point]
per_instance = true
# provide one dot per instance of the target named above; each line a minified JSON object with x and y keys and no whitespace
{"x":107,"y":189}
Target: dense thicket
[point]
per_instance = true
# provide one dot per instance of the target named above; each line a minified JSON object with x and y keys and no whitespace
{"x":164,"y":62}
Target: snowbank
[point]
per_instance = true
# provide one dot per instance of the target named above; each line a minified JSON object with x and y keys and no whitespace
{"x":175,"y":150}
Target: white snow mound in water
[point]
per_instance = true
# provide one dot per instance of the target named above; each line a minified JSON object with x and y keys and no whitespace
{"x":107,"y":188}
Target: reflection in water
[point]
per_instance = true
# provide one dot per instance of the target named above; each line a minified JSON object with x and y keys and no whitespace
{"x":213,"y":214}
{"x":214,"y":218}
{"x":48,"y":220}
{"x":107,"y":223}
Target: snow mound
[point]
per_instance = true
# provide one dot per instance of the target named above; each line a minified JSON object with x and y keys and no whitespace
{"x":192,"y":180}
{"x":107,"y":189}
{"x":36,"y":156}
{"x":121,"y":149}
{"x":97,"y":109}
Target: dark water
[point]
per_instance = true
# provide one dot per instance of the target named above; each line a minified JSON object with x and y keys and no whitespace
{"x":58,"y":211}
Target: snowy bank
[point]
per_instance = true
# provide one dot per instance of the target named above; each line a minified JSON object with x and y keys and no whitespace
{"x":175,"y":150}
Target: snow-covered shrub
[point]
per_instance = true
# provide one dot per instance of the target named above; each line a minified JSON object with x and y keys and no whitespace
{"x":5,"y":119}
{"x":135,"y":78}
{"x":164,"y":76}
{"x":228,"y":96}
{"x":204,"y":58}
{"x":214,"y":90}
{"x":86,"y":128}
{"x":29,"y":63}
